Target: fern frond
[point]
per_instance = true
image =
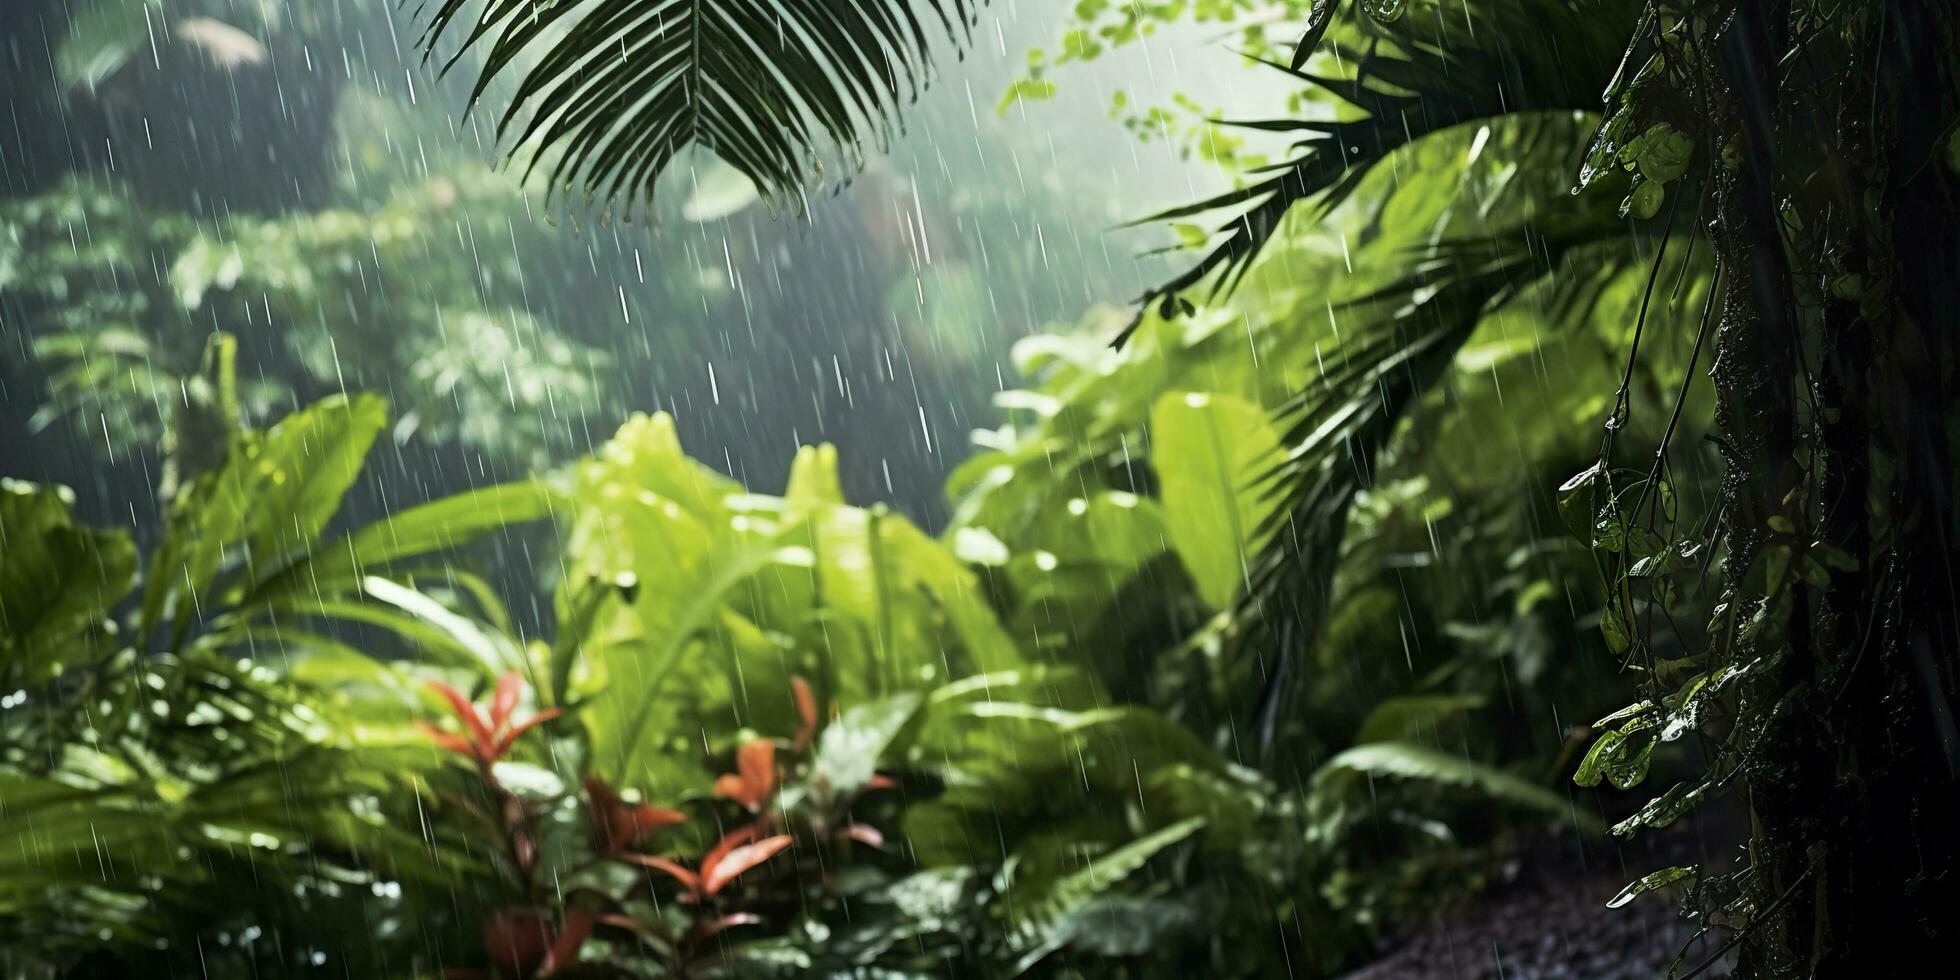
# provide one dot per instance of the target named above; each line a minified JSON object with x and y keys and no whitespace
{"x":1043,"y":922}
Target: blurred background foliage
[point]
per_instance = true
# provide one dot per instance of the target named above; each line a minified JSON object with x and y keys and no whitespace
{"x":393,"y":465}
{"x":322,"y":198}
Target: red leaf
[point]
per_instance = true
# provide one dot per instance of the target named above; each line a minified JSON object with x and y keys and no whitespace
{"x":447,"y":740}
{"x":617,"y":825}
{"x":525,"y":848}
{"x":479,"y":732}
{"x":688,"y":879}
{"x":628,"y":923}
{"x":510,"y":687}
{"x":510,"y":737}
{"x":518,"y":940}
{"x":729,"y":842}
{"x":717,"y":875}
{"x":578,"y":926}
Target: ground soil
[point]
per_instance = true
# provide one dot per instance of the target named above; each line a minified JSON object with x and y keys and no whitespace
{"x":1549,"y":920}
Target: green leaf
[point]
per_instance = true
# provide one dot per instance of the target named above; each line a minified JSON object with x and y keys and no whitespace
{"x":436,"y":526}
{"x":1664,"y":153}
{"x":1041,"y":920}
{"x":854,"y":743}
{"x":1613,"y":627}
{"x":1644,"y":201}
{"x":1665,"y":808}
{"x":1576,"y":506}
{"x":58,"y":581}
{"x":101,"y":37}
{"x":268,"y":502}
{"x":813,"y":479}
{"x":1404,"y":761}
{"x":1621,"y":756}
{"x":1319,"y":16}
{"x":1659,"y":879}
{"x":1211,"y":453}
{"x":629,"y":690}
{"x":1398,"y":718}
{"x":726,"y":595}
{"x":490,"y":652}
{"x":1026,"y":89}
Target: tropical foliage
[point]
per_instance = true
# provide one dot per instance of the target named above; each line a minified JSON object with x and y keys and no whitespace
{"x":613,"y":91}
{"x":1276,"y":612}
{"x":119,"y":321}
{"x":183,"y":743}
{"x":1701,"y":120}
{"x":832,"y":688}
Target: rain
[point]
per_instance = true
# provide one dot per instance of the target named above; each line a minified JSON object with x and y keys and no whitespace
{"x":978,"y":488}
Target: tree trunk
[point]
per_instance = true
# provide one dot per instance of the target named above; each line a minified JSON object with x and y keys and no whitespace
{"x":1836,"y":402}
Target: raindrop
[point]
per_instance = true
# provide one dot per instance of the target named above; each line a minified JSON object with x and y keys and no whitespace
{"x":1385,"y":11}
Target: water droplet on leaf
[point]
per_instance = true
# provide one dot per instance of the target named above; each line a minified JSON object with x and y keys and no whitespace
{"x":1384,"y":11}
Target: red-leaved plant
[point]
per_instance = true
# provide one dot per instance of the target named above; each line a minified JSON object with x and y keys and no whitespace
{"x":549,"y":925}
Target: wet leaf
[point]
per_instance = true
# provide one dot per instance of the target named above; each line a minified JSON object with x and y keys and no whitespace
{"x":1659,"y":879}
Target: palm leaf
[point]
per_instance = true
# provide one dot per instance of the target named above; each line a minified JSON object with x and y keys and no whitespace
{"x":617,"y":88}
{"x":1408,"y":81}
{"x":1416,"y":76}
{"x":1336,"y":431}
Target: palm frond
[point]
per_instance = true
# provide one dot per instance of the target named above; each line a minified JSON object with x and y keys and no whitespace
{"x":1337,"y":430}
{"x":1414,"y":77}
{"x":617,"y":88}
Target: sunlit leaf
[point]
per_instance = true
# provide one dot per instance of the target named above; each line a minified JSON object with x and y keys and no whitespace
{"x":1212,"y":453}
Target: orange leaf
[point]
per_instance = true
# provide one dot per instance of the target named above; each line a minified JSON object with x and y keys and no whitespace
{"x":510,"y":737}
{"x":617,"y":825}
{"x":728,"y":843}
{"x":755,"y":780}
{"x":646,"y":819}
{"x":688,"y":879}
{"x":510,"y":687}
{"x":447,"y":740}
{"x":806,"y":709}
{"x":735,"y":788}
{"x":479,"y":732}
{"x":740,"y":859}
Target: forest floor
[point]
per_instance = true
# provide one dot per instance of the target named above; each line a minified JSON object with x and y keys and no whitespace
{"x":1549,"y":921}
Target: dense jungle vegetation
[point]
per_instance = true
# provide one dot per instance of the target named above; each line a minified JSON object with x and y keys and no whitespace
{"x":643,"y":488}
